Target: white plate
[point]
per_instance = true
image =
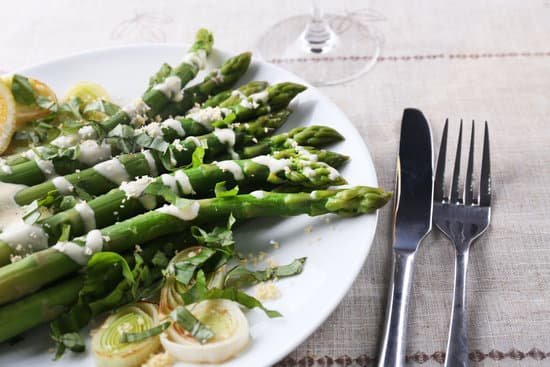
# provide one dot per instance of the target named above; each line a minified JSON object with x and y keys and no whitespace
{"x":336,"y":248}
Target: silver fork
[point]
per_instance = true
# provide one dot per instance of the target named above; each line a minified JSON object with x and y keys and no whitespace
{"x":462,"y":219}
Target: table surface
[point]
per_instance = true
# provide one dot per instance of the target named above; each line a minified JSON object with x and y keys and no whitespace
{"x":483,"y":60}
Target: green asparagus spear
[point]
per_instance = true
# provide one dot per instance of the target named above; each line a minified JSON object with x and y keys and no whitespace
{"x":66,"y":159}
{"x":54,"y":301}
{"x":155,"y":99}
{"x":129,"y":200}
{"x":108,"y":175}
{"x":274,"y":98}
{"x":39,"y":269}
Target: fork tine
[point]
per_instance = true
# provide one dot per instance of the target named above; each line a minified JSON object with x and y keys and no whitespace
{"x":440,"y":169}
{"x":456,"y":171}
{"x":468,"y":187}
{"x":485,"y":180}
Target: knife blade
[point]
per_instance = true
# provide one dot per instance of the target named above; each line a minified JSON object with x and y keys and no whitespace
{"x":412,"y":222}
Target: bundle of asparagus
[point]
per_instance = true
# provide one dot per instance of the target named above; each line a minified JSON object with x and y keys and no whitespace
{"x":157,"y":176}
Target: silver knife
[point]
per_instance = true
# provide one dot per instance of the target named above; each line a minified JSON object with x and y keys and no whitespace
{"x":412,"y":222}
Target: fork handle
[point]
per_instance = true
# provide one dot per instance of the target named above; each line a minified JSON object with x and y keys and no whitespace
{"x":457,"y":344}
{"x":393,"y":347}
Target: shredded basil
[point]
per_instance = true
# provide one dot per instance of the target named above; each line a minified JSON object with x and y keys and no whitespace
{"x":183,"y":317}
{"x":199,"y":292}
{"x":221,"y":191}
{"x":197,"y":158}
{"x":22,"y":90}
{"x":185,"y":269}
{"x":137,"y":337}
{"x":241,"y":275}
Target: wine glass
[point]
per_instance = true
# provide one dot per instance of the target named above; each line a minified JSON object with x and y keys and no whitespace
{"x":322,"y":49}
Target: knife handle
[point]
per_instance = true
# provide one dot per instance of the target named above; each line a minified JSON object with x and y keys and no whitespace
{"x":393,"y":348}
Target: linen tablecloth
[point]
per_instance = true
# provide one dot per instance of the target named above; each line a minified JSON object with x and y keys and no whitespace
{"x":483,"y":60}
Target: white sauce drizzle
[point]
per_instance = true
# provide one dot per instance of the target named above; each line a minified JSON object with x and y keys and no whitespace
{"x":333,"y":173}
{"x":153,"y":129}
{"x":232,"y":167}
{"x":196,"y":59}
{"x":218,"y":78}
{"x":304,"y":153}
{"x":187,"y":213}
{"x":170,"y":181}
{"x":205,"y":116}
{"x":113,"y":171}
{"x":63,"y":185}
{"x":134,"y":189}
{"x":87,"y":132}
{"x":171,"y":88}
{"x":81,"y":254}
{"x":66,"y":141}
{"x":239,"y":94}
{"x":46,"y":167}
{"x":184,"y":183}
{"x":24,"y":237}
{"x":253,"y":101}
{"x":4,"y":167}
{"x":86,"y":214}
{"x":174,"y":125}
{"x":194,"y":140}
{"x":30,"y":154}
{"x":9,"y":210}
{"x":91,"y":152}
{"x":225,"y":136}
{"x":308,"y":172}
{"x":258,"y":194}
{"x":150,"y":162}
{"x":274,"y":165}
{"x":136,"y":109}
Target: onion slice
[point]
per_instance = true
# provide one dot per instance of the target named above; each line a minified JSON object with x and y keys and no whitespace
{"x":170,"y":292}
{"x":225,"y":319}
{"x":107,"y":346}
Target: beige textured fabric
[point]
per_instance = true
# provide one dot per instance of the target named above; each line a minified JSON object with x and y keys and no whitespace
{"x":483,"y":60}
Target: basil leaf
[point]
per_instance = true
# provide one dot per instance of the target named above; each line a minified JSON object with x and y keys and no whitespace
{"x":199,"y":292}
{"x":185,"y":269}
{"x":65,"y":233}
{"x":22,"y":90}
{"x":72,"y":341}
{"x":46,"y":103}
{"x":122,"y":131}
{"x":183,"y":317}
{"x":32,"y":214}
{"x":241,"y":275}
{"x":221,"y":191}
{"x":137,"y":337}
{"x":218,"y":238}
{"x":197,"y":158}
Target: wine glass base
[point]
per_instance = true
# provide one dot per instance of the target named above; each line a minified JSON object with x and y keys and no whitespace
{"x":352,"y":50}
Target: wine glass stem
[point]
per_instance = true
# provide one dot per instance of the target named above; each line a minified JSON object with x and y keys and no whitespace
{"x":317,"y":35}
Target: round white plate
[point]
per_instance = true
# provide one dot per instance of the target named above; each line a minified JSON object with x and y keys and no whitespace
{"x":335,"y":248}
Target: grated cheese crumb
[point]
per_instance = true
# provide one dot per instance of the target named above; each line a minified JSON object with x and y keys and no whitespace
{"x":271,"y":262}
{"x":159,"y":360}
{"x":275,"y":244}
{"x":267,"y":291}
{"x":308,"y":229}
{"x":15,"y":258}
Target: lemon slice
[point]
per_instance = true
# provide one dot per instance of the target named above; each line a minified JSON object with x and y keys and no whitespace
{"x":7,"y":117}
{"x":25,"y":113}
{"x":87,"y":92}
